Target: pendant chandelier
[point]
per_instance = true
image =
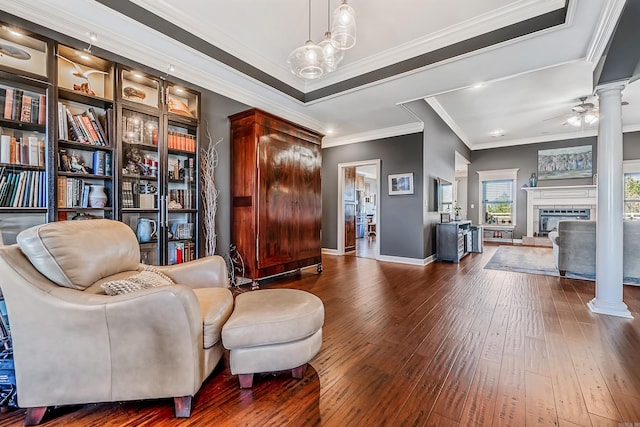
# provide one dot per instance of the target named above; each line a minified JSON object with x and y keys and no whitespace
{"x":343,"y":28}
{"x":311,"y":60}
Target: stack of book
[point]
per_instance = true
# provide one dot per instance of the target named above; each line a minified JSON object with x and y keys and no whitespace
{"x":85,"y":127}
{"x":23,"y":106}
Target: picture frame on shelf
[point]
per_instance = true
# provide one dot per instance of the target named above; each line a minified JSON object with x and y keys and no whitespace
{"x":445,"y":217}
{"x":400,"y":183}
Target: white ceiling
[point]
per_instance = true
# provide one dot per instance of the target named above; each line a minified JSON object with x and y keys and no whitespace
{"x":531,"y":82}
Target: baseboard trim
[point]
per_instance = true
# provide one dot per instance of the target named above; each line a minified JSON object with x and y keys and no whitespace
{"x":410,"y":261}
{"x":327,"y":251}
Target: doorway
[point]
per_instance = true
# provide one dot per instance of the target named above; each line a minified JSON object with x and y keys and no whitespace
{"x":460,"y":189}
{"x":359,"y":208}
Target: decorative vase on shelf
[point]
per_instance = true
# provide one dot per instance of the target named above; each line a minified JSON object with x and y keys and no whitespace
{"x":97,"y":197}
{"x":533,"y":181}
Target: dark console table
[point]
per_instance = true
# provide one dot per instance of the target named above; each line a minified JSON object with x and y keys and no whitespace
{"x":453,"y":240}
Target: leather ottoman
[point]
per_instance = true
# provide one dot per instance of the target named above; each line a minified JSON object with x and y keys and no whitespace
{"x":273,"y":330}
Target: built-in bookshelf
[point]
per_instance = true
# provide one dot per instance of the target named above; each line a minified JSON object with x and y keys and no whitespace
{"x":158,"y":136}
{"x":25,"y":93}
{"x":83,"y":137}
{"x":85,"y":141}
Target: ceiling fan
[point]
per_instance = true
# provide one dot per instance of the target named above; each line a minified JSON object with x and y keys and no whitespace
{"x":583,"y":113}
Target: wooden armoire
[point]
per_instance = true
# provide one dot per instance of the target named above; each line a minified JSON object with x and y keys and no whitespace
{"x":276,"y":209}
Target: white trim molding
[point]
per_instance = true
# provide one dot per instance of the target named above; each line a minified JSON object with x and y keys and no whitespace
{"x":373,"y":135}
{"x":410,"y":261}
{"x":329,"y":251}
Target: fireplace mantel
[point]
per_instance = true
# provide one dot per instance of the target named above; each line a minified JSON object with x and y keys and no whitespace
{"x":576,"y":196}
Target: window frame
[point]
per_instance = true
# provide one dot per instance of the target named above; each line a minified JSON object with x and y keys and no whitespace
{"x":497,"y":175}
{"x":628,"y":167}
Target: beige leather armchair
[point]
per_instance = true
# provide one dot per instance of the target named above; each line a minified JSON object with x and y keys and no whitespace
{"x":73,"y":344}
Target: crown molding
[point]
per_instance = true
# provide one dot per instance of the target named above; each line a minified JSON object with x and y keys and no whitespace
{"x":373,"y":135}
{"x":439,"y":109}
{"x":604,"y":30}
{"x":177,"y":14}
{"x":470,"y":28}
{"x":190,"y":65}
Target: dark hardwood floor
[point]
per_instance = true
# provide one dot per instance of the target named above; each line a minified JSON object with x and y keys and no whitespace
{"x":441,"y":345}
{"x":365,"y":247}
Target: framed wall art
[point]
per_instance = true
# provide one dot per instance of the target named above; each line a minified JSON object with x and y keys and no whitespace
{"x":401,"y":183}
{"x":563,"y":163}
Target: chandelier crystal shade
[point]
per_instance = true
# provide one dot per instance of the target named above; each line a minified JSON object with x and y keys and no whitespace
{"x":306,"y":61}
{"x":311,"y":60}
{"x":343,"y":27}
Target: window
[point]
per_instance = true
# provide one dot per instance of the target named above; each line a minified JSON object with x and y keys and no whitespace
{"x":631,"y":190}
{"x":498,"y":197}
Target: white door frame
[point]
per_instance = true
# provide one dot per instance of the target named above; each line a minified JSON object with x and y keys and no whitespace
{"x":341,"y":168}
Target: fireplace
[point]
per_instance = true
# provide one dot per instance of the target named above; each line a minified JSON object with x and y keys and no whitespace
{"x":549,"y":218}
{"x":562,"y":201}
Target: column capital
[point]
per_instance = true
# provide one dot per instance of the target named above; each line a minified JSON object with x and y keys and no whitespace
{"x":612,"y":86}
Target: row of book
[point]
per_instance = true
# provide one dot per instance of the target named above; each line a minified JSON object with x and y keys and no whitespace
{"x":23,"y":106}
{"x":181,"y":141}
{"x":73,"y":192}
{"x":86,"y":127}
{"x":26,"y":189}
{"x":22,"y":150}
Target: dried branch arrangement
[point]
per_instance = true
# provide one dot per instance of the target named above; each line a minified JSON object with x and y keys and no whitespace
{"x":208,"y":164}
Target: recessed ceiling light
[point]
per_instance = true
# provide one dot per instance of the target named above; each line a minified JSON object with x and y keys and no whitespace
{"x":179,"y":89}
{"x":84,"y":56}
{"x":137,"y":75}
{"x":497,"y":132}
{"x":478,"y":85}
{"x":330,"y":131}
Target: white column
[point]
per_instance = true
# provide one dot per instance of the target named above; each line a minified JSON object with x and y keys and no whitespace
{"x":609,"y":232}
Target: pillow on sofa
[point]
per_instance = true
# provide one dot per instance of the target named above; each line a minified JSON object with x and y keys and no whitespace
{"x":150,"y":277}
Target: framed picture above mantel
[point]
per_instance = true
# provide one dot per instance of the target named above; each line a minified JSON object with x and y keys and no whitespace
{"x":563,"y":163}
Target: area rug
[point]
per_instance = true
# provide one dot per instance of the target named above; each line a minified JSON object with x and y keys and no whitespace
{"x":534,"y":260}
{"x":524,"y":259}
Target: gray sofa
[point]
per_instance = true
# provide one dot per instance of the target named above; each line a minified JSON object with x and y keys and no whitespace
{"x":574,"y":248}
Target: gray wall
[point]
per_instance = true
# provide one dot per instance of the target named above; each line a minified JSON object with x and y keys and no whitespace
{"x":440,"y":145}
{"x":215,"y":111}
{"x":525,"y":157}
{"x":399,"y":216}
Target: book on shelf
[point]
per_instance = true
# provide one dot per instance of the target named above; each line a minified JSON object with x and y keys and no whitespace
{"x":85,"y":196}
{"x":8,"y":103}
{"x":24,"y":151}
{"x":17,"y":104}
{"x":88,"y":128}
{"x":107,"y":163}
{"x":25,"y":113}
{"x":3,"y":97}
{"x":42,"y":111}
{"x":5,"y":149}
{"x":97,"y":124}
{"x":99,"y":162}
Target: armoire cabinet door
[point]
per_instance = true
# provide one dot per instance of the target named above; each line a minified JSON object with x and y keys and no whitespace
{"x":276,"y":206}
{"x":309,"y":199}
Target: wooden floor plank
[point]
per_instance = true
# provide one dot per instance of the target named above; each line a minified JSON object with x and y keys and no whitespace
{"x":540,"y":406}
{"x":440,"y":345}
